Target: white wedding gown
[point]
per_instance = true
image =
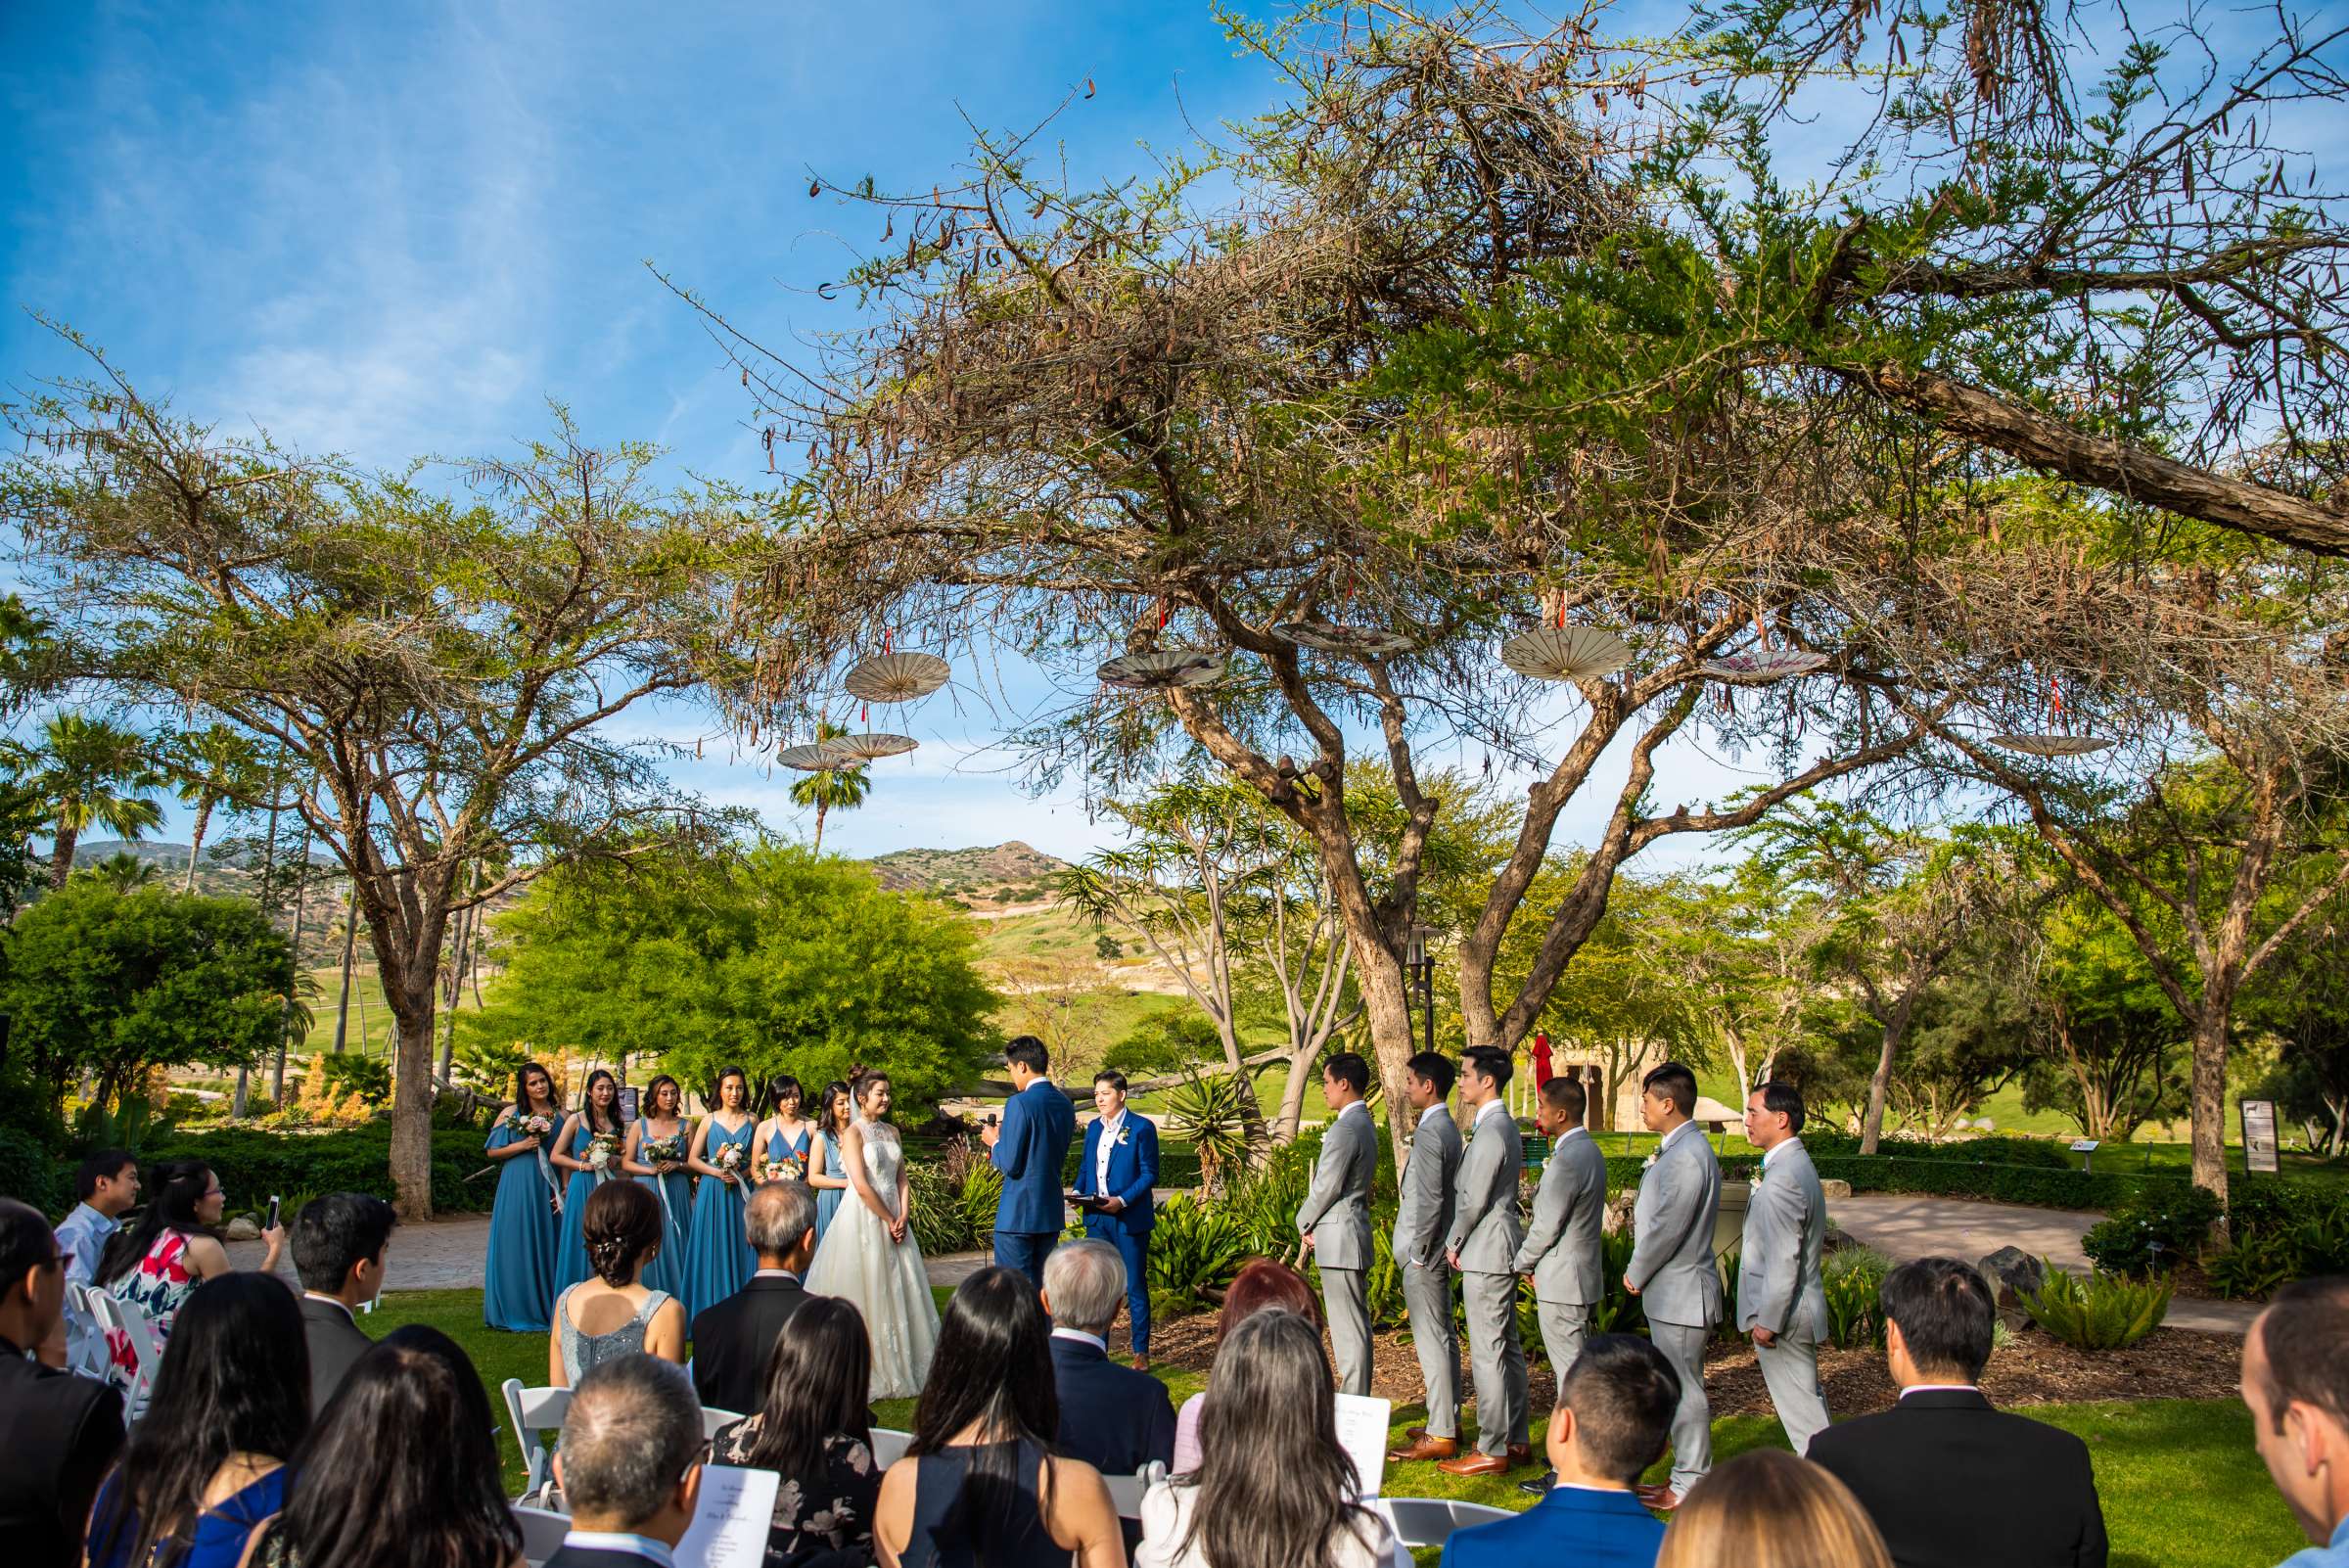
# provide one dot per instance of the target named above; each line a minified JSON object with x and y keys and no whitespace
{"x":885,"y":1278}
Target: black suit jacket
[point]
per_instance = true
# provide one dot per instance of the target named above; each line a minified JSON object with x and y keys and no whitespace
{"x":59,"y":1432}
{"x":1954,"y":1483}
{"x":336,"y":1345}
{"x":1113,"y":1417}
{"x":733,"y":1340}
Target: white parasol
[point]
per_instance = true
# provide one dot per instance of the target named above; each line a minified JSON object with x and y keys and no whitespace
{"x":1566,"y":653}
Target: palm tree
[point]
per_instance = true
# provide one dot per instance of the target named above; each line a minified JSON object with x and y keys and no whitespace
{"x":842,"y":789}
{"x":88,"y":772}
{"x":122,"y":871}
{"x":208,"y":767}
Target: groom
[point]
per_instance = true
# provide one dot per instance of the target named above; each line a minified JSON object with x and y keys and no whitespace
{"x":1029,"y":1148}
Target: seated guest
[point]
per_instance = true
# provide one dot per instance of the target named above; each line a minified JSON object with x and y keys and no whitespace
{"x":207,"y":1461}
{"x":1276,"y":1489}
{"x":1769,"y":1509}
{"x":629,"y":1461}
{"x":1612,"y":1421}
{"x":1262,"y":1286}
{"x":1925,"y":1469}
{"x":401,"y":1471}
{"x":338,"y":1243}
{"x":979,"y":1482}
{"x":105,"y":1187}
{"x":810,"y":1427}
{"x":58,"y":1433}
{"x":2296,"y":1382}
{"x":173,"y":1249}
{"x":1113,"y":1417}
{"x":613,"y":1313}
{"x":732,"y":1338}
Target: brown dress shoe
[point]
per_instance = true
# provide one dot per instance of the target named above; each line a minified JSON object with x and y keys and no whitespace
{"x":1663,"y":1499}
{"x":1141,"y":1364}
{"x":1476,"y":1464}
{"x":1424,"y":1446}
{"x":1414,"y":1433}
{"x":1520,"y":1454}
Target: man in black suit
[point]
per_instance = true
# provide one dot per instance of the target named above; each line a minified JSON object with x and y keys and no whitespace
{"x":58,"y":1432}
{"x":339,"y":1245}
{"x":629,"y":1465}
{"x":1113,"y":1417}
{"x":1950,"y":1481}
{"x":733,"y":1340}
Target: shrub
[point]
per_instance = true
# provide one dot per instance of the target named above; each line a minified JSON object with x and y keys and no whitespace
{"x":251,"y":1163}
{"x":2164,"y":1226}
{"x":1853,"y":1280}
{"x":28,"y":1173}
{"x":346,"y":1073}
{"x":1218,"y":1114}
{"x":1618,"y":1311}
{"x":2279,"y":1236}
{"x":2104,"y":1311}
{"x":2255,"y":1266}
{"x":1194,"y":1248}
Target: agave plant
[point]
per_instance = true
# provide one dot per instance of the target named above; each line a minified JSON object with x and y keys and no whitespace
{"x":2104,"y":1311}
{"x":1218,"y":1114}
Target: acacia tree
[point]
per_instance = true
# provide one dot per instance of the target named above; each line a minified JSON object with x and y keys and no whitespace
{"x":443,"y":673}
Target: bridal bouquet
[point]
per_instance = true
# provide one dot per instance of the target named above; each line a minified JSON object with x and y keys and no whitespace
{"x":603,"y":1155}
{"x":787,"y":1169}
{"x":729,"y":1160}
{"x":533,"y":1126}
{"x":670,"y":1151}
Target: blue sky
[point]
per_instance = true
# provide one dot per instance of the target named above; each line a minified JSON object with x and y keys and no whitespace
{"x":394,"y":231}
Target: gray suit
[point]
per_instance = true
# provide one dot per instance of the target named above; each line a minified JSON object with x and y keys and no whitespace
{"x":1485,"y":1234}
{"x":1337,"y":1216}
{"x":1423,"y":1221}
{"x":1673,"y":1270}
{"x":1564,"y":1251}
{"x":1778,"y":1286}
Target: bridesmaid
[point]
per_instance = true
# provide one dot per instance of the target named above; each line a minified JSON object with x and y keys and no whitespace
{"x":834,"y":1111}
{"x":518,"y":1285}
{"x":780,"y":1151}
{"x":718,"y":1259}
{"x":656,"y":1151}
{"x":597,"y":1118}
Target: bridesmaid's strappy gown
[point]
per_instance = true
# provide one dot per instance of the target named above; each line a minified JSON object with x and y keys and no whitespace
{"x":718,"y":1262}
{"x":570,"y":1262}
{"x":517,"y":1282}
{"x":675,"y":1192}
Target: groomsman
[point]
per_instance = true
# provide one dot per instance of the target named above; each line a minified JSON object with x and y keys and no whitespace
{"x":1483,"y":1247}
{"x":1120,"y":1167}
{"x":1672,"y":1271}
{"x":1335,"y":1220}
{"x":1563,"y":1254}
{"x":1781,"y":1300}
{"x":1423,"y":1221}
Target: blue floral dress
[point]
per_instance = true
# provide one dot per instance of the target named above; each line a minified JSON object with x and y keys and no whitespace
{"x":571,"y":1262}
{"x":675,"y":1192}
{"x":719,"y":1261}
{"x":518,"y":1284}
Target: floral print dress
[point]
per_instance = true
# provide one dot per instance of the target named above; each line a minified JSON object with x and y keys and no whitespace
{"x":814,"y":1514}
{"x":159,"y":1286}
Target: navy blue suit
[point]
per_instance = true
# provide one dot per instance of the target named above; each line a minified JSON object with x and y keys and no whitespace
{"x":1133,"y":1173}
{"x":1113,"y":1417}
{"x":1578,"y":1525}
{"x":1037,"y":1124}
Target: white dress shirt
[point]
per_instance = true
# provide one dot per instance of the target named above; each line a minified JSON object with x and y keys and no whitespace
{"x":1111,"y":1126}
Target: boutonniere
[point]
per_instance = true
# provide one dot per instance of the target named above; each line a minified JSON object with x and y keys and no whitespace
{"x":1124,"y":1133}
{"x":1648,"y":1163}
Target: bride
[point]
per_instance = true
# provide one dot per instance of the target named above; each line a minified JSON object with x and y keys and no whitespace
{"x":868,"y":1255}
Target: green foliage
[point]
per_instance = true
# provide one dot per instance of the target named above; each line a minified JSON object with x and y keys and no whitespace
{"x":1195,"y":1248}
{"x":1168,"y":1040}
{"x":115,"y":983}
{"x":32,"y":1174}
{"x":133,"y":1123}
{"x":777,"y":960}
{"x":1618,"y":1312}
{"x":2154,"y":1233}
{"x":1853,"y":1280}
{"x":1218,"y":1114}
{"x":2281,"y":1233}
{"x":253,"y":1164}
{"x":2104,"y":1311}
{"x":347,"y":1073}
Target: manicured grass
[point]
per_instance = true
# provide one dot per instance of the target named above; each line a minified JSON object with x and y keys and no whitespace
{"x":2182,"y":1485}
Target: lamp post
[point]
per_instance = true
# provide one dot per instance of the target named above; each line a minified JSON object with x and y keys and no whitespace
{"x":1419,"y":966}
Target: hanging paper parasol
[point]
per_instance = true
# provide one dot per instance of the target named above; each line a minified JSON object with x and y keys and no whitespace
{"x":1163,"y":670}
{"x":2051,"y":745}
{"x":896,"y":677}
{"x":865,"y":748}
{"x":813,"y":760}
{"x":1566,"y":653}
{"x":1767,"y":665}
{"x":1370,"y":642}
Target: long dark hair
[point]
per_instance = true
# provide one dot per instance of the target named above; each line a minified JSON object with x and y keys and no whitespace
{"x":649,"y":1106}
{"x":588,"y":1116}
{"x":174,"y":1190}
{"x":993,"y":1367}
{"x":1275,"y":1485}
{"x":402,"y":1467}
{"x":818,"y":1377}
{"x":718,"y":1090}
{"x":522,"y":1092}
{"x":235,"y":1379}
{"x":833,"y":1092}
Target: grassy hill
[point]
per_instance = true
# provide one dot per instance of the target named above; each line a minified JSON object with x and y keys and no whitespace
{"x":979,"y":877}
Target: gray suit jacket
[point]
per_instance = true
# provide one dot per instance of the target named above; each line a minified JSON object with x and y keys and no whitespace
{"x":1430,"y":1183}
{"x":1777,"y":1262}
{"x":1563,"y":1251}
{"x":1485,"y":1227}
{"x":1337,"y":1209}
{"x":1671,"y":1251}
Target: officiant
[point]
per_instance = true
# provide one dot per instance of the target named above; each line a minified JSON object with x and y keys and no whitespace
{"x":1114,"y":1179}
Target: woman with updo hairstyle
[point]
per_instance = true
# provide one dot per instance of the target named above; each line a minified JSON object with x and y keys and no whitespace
{"x":870,"y":1257}
{"x":613,"y":1313}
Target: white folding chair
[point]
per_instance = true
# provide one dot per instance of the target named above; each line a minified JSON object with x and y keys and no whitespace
{"x":1430,"y":1521}
{"x":542,"y":1533}
{"x":889,"y":1445}
{"x":534,"y":1411}
{"x":114,"y":1315}
{"x":85,"y":1335}
{"x":1126,"y":1491}
{"x":714,"y":1419}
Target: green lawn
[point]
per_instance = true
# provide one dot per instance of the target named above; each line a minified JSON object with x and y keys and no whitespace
{"x":2182,"y":1485}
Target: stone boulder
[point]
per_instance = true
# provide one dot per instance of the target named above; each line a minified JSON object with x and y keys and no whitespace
{"x":1835,"y":1187}
{"x":2010,"y":1272}
{"x":243,"y":1228}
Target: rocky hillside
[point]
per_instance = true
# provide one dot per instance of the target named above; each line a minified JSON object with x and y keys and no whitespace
{"x":1007,"y":873}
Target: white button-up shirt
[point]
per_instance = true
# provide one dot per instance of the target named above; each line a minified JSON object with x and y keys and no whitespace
{"x":1111,"y":1126}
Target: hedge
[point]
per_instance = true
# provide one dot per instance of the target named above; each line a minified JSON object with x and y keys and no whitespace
{"x":251,"y":1163}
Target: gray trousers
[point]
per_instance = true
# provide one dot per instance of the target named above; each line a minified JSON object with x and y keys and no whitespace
{"x":1684,"y":1345}
{"x":1346,"y":1298}
{"x":1498,"y":1356}
{"x":1563,"y":1328}
{"x":1437,"y":1339}
{"x":1790,"y":1371}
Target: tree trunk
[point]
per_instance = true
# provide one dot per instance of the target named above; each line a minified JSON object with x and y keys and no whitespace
{"x":2207,"y":1094}
{"x":465,"y":921}
{"x":203,"y":819}
{"x":284,"y":1027}
{"x":818,"y":847}
{"x":1386,"y":1003}
{"x":1292,"y":1093}
{"x":61,"y":857}
{"x":1880,"y":1085}
{"x":413,"y":1099}
{"x":350,"y":936}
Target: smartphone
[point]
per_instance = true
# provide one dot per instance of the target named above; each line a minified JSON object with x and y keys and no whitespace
{"x":989,"y":1119}
{"x":272,"y":1224}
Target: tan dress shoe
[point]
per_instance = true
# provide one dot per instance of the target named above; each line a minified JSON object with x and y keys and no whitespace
{"x":1424,"y":1446}
{"x":1476,"y":1464}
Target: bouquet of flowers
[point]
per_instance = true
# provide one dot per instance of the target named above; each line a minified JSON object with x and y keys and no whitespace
{"x":729,"y":1160}
{"x":670,"y":1151}
{"x":787,"y":1169}
{"x":533,"y":1126}
{"x":603,"y":1155}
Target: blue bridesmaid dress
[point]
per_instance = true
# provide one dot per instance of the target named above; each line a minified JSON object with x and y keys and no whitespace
{"x":718,"y":1262}
{"x":780,"y":1148}
{"x":518,"y":1284}
{"x":570,"y":1262}
{"x":675,"y":1192}
{"x":827,"y":1199}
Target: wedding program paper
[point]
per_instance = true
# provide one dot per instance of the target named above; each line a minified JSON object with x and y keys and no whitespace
{"x":730,"y":1528}
{"x":1362,"y":1434}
